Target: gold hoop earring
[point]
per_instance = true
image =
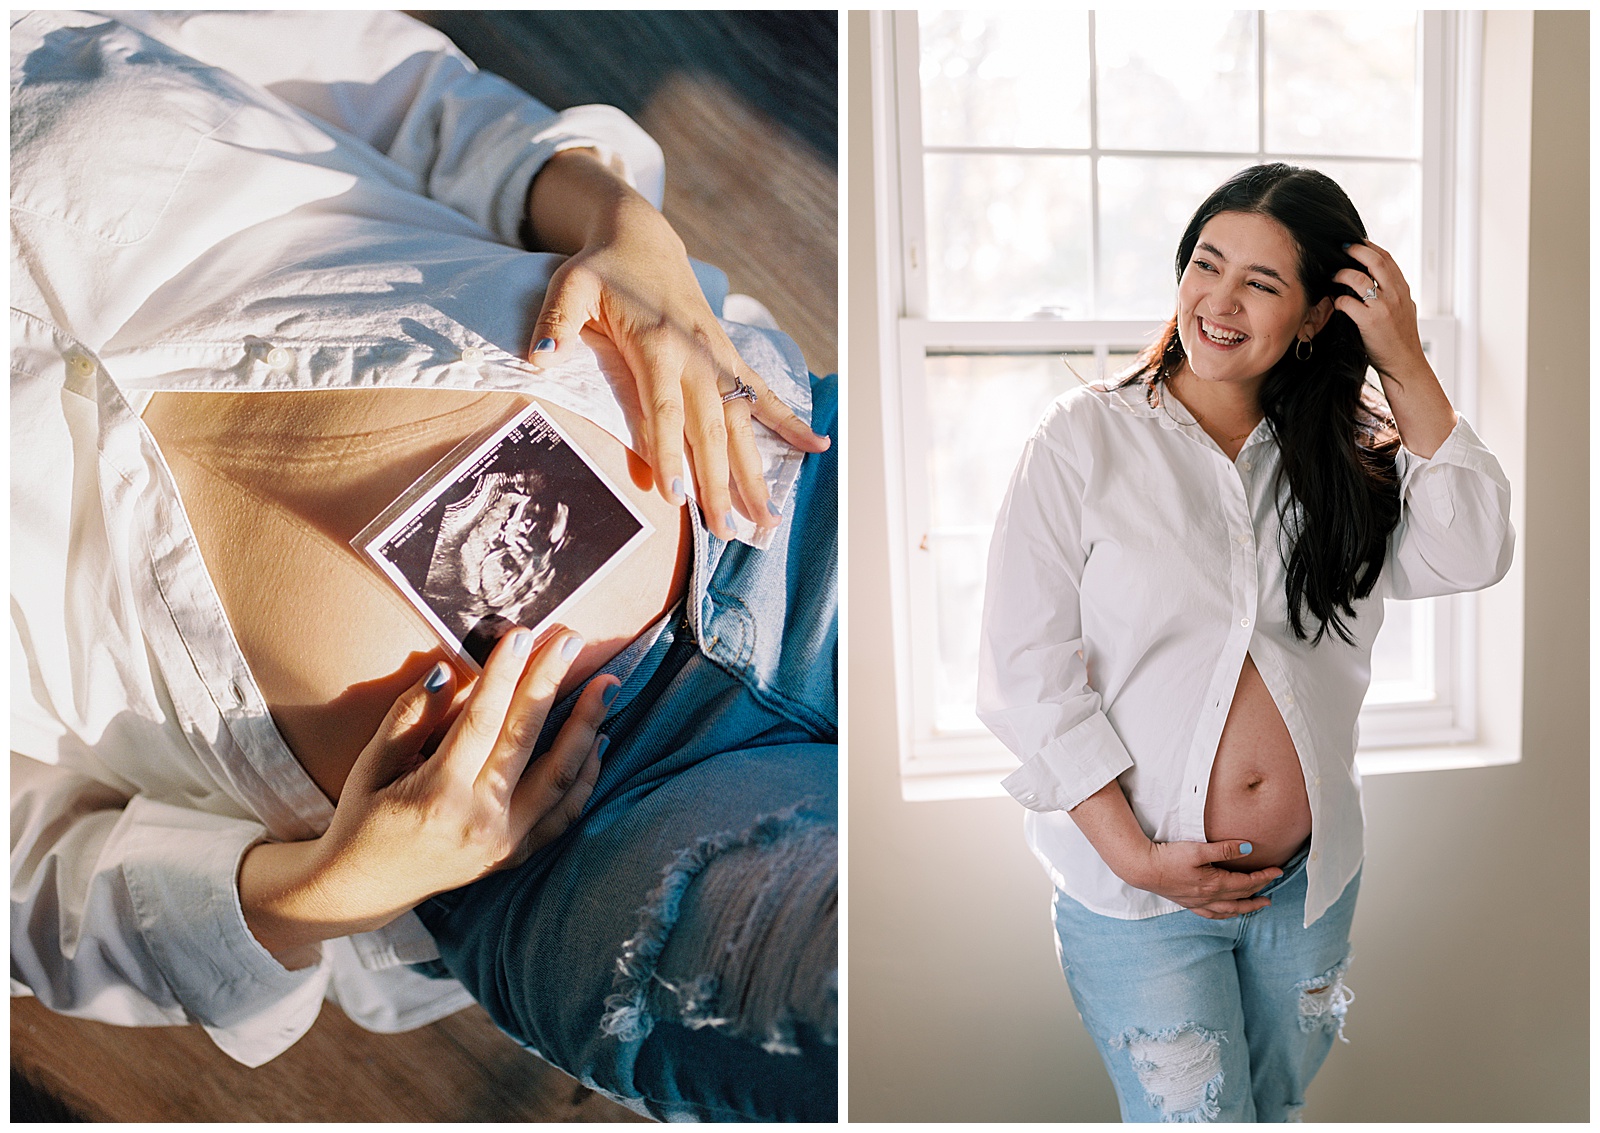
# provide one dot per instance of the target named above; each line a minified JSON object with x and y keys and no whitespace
{"x":1298,"y":343}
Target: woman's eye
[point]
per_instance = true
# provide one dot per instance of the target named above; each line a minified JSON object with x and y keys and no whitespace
{"x":1263,"y":287}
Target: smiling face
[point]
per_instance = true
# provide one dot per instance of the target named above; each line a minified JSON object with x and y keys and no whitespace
{"x":1240,"y":301}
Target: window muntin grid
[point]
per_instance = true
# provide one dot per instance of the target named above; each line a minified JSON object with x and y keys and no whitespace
{"x":1030,"y":126}
{"x":1123,"y":211}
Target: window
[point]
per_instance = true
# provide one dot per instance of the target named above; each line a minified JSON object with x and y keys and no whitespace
{"x":1042,"y":168}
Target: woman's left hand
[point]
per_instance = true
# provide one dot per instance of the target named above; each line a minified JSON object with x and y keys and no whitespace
{"x":629,"y":278}
{"x":1388,"y":320}
{"x":1386,"y":316}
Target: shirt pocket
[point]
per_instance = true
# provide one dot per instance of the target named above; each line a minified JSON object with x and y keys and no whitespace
{"x":105,"y":123}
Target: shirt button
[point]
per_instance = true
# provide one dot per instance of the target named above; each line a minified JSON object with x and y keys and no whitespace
{"x":1246,"y":466}
{"x":472,"y":355}
{"x":1245,"y":622}
{"x":81,"y":364}
{"x":1243,"y":539}
{"x":1317,"y":780}
{"x":1313,"y":855}
{"x":279,"y":358}
{"x":1288,"y":700}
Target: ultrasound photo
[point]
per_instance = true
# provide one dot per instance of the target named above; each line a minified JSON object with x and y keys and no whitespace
{"x":505,"y":531}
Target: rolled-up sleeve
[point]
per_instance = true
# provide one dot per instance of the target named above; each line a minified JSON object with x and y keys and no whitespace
{"x":470,"y":140}
{"x":1454,"y":532}
{"x":1033,"y":689}
{"x":127,"y":911}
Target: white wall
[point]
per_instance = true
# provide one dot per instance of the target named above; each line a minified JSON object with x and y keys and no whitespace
{"x":1471,"y":940}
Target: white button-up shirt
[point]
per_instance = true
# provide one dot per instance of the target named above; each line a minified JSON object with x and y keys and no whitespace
{"x":234,"y":201}
{"x":1133,"y":567}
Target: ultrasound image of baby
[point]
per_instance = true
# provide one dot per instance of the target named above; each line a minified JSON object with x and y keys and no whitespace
{"x":496,"y":551}
{"x":505,"y":531}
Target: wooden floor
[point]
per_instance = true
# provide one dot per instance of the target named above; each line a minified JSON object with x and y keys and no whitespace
{"x":744,"y":106}
{"x":458,"y":1069}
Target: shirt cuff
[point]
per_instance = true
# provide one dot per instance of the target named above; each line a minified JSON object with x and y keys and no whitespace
{"x":1461,"y":449}
{"x":1071,"y":767}
{"x":401,"y":941}
{"x":181,"y":868}
{"x":620,"y":141}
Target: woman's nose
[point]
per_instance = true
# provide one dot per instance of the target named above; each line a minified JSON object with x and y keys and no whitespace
{"x":1224,"y":299}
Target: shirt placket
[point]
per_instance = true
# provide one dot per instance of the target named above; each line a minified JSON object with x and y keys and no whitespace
{"x":1243,"y":587}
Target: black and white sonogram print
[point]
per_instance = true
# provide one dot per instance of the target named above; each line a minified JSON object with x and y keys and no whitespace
{"x":505,"y":539}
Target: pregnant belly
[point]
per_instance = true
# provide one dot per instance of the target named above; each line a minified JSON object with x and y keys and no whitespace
{"x":1257,"y":791}
{"x":277,"y":484}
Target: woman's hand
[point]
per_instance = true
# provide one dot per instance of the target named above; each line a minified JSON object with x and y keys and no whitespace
{"x":1182,"y":872}
{"x":1388,"y":325}
{"x":410,"y":825}
{"x":629,"y":277}
{"x":1186,"y":874}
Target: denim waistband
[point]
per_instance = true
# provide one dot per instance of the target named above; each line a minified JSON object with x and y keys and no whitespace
{"x":634,"y":667}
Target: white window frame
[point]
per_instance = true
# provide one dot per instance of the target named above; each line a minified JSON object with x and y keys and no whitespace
{"x":1395,"y":738}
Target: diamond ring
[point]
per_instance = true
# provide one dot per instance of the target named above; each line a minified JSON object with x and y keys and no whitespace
{"x":740,"y":389}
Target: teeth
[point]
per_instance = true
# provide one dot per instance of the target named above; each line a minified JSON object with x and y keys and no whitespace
{"x":1217,"y":334}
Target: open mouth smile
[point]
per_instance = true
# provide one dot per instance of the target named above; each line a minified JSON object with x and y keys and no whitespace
{"x":1221,"y":336}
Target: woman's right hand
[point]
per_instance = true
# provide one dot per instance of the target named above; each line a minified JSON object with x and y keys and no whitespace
{"x":1186,"y":873}
{"x":409,"y":826}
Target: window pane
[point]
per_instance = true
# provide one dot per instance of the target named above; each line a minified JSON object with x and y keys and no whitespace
{"x":1008,"y":237}
{"x":1389,"y":198}
{"x":959,"y":560}
{"x":1343,"y":83}
{"x":981,"y":409}
{"x":1402,"y":655}
{"x":997,"y":79}
{"x":1145,"y":203}
{"x":1177,"y":81}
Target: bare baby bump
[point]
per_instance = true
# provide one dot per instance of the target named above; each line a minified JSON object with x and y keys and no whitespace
{"x":1257,"y":791}
{"x":276,"y":485}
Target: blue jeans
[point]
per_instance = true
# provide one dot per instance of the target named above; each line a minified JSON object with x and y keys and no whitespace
{"x":677,"y":949}
{"x":1206,"y":1020}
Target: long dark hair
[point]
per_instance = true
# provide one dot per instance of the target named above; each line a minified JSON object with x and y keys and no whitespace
{"x":1336,"y":436}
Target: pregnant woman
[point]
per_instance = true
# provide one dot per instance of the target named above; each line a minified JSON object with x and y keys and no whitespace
{"x":1184,"y":586}
{"x":267,"y":269}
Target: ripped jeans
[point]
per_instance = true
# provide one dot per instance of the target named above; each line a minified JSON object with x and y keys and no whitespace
{"x":1207,"y":1020}
{"x":677,"y":949}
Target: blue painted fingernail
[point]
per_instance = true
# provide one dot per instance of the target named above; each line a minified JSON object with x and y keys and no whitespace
{"x":1245,"y":847}
{"x":773,"y":509}
{"x":728,"y":520}
{"x":609,"y":696}
{"x":571,"y":647}
{"x":1346,"y":247}
{"x":522,"y":642}
{"x":677,"y":486}
{"x":605,"y":742}
{"x":544,"y":346}
{"x":437,"y":676}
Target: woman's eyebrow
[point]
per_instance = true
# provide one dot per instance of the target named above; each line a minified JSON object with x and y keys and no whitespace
{"x":1262,"y":268}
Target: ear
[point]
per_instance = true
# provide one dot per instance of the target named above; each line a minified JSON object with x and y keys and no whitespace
{"x":1316,"y":318}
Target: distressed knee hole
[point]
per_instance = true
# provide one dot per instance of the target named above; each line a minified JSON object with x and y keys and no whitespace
{"x":741,"y":936}
{"x":1324,"y":999}
{"x":1180,"y":1070}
